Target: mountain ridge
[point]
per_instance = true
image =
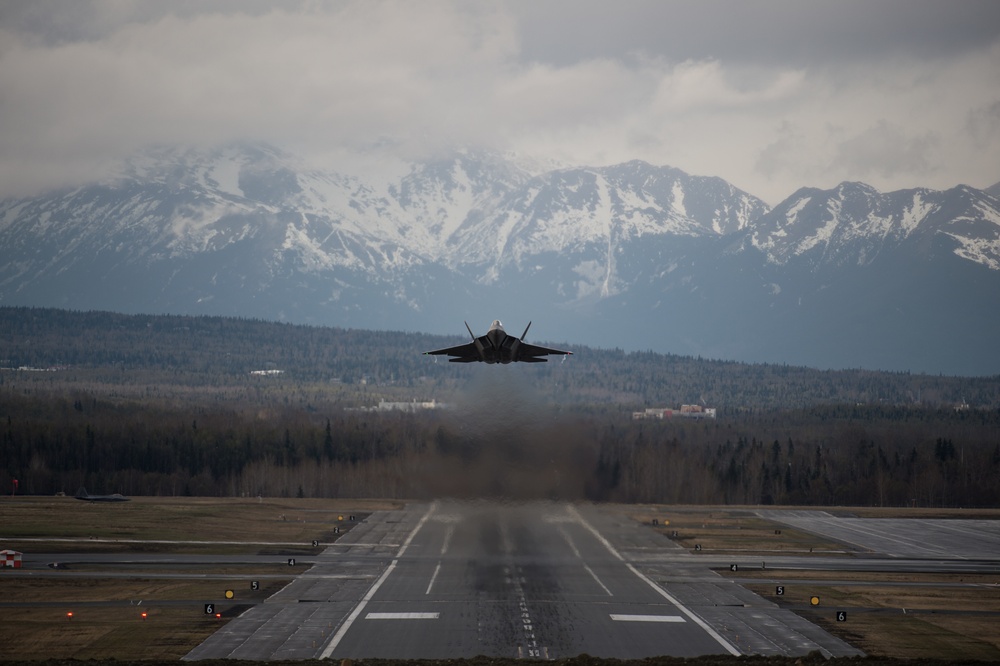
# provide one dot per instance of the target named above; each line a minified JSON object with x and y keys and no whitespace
{"x":629,"y":255}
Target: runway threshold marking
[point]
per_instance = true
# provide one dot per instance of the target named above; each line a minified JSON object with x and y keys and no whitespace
{"x":729,"y":647}
{"x":646,"y":618}
{"x":339,"y":636}
{"x":402,"y":616}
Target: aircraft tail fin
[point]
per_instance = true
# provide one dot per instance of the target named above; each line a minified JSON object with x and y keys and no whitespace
{"x":473,"y":335}
{"x":82,"y":493}
{"x":525,"y":334}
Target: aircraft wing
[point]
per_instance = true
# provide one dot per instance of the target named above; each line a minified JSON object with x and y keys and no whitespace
{"x":530,"y":353}
{"x":466,"y":353}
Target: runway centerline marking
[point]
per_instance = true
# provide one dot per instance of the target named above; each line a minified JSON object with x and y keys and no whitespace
{"x":437,"y":570}
{"x":729,"y":647}
{"x":646,"y":618}
{"x":339,"y":636}
{"x":402,"y":616}
{"x":444,"y":549}
{"x":447,"y":539}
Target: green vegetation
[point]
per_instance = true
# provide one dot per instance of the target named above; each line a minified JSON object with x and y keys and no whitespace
{"x":168,"y":406}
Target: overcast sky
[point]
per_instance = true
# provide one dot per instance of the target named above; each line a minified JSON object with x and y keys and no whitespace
{"x":770,"y":95}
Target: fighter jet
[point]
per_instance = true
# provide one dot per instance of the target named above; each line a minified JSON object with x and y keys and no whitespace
{"x":82,"y":494}
{"x":497,"y":347}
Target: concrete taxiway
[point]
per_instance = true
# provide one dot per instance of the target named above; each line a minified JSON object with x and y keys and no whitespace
{"x":913,"y":538}
{"x":539,"y":580}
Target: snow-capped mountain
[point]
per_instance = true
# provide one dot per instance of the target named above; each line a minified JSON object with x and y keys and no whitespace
{"x":853,"y":223}
{"x":631,"y":255}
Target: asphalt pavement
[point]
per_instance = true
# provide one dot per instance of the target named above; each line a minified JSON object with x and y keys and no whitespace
{"x":536,"y":580}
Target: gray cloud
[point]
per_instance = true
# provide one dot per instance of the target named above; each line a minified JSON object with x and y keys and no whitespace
{"x":886,"y":150}
{"x":983,"y":124}
{"x":788,"y":32}
{"x":764,"y":93}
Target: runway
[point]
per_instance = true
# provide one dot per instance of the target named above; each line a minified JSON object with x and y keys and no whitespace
{"x":539,"y":580}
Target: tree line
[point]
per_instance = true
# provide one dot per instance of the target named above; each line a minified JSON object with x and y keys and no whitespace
{"x":165,"y":405}
{"x":820,"y":456}
{"x":130,"y":351}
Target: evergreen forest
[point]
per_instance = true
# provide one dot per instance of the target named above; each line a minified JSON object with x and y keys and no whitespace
{"x":171,"y":405}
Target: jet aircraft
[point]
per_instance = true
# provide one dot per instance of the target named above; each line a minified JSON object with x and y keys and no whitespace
{"x":82,"y":494}
{"x":497,"y":346}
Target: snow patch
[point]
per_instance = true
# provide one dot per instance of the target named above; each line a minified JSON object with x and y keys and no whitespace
{"x":792,"y":213}
{"x":592,"y":282}
{"x":678,"y":199}
{"x":226,"y":174}
{"x":915,"y":214}
{"x":980,"y":250}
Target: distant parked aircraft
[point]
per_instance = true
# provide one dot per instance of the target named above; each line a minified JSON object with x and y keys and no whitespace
{"x":497,"y":347}
{"x":82,"y":494}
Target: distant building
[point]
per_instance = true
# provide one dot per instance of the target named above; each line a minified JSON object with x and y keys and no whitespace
{"x":685,"y":412}
{"x":413,"y":406}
